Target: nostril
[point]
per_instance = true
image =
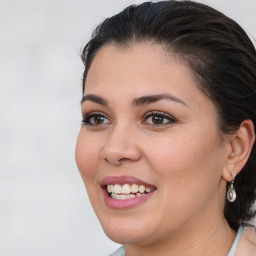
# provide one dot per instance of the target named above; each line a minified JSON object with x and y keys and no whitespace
{"x":124,"y":159}
{"x":117,"y":161}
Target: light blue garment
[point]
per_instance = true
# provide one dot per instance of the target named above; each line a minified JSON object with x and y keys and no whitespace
{"x":121,"y":250}
{"x":235,"y":244}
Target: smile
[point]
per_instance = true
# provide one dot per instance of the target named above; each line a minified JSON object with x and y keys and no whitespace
{"x":122,"y":192}
{"x":127,"y":191}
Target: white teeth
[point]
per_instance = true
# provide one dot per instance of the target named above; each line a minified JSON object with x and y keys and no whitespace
{"x":122,"y":197}
{"x":117,"y":189}
{"x":126,"y":189}
{"x":135,"y":188}
{"x":109,"y":188}
{"x":138,"y":194}
{"x":142,"y":189}
{"x":148,"y":190}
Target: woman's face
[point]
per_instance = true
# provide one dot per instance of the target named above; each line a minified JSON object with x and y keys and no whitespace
{"x":146,"y":123}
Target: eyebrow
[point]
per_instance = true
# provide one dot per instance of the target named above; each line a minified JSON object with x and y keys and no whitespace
{"x":94,"y":98}
{"x":136,"y":102}
{"x":153,"y":98}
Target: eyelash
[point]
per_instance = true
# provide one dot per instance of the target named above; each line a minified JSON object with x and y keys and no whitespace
{"x":170,"y":120}
{"x":86,"y":118}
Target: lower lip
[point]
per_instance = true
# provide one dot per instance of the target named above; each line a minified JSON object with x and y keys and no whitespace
{"x":125,"y":203}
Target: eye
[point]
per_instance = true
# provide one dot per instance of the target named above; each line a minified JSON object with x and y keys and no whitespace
{"x":158,"y":118}
{"x":95,"y":118}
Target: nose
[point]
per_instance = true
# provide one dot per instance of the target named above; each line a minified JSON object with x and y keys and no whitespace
{"x":121,"y":146}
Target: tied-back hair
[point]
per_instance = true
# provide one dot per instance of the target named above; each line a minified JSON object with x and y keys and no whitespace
{"x":223,"y":61}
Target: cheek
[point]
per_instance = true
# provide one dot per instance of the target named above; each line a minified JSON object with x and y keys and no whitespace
{"x":87,"y":156}
{"x":187,"y":162}
{"x":188,"y":172}
{"x":87,"y":159}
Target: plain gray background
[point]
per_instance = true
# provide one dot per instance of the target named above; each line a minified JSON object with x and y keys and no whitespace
{"x":44,"y":206}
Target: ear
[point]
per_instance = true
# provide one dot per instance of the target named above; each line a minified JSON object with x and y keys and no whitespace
{"x":240,"y":145}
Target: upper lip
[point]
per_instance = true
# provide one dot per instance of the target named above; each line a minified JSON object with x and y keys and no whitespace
{"x":121,"y":180}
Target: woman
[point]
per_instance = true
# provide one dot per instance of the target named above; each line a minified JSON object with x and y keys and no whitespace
{"x":166,"y":149}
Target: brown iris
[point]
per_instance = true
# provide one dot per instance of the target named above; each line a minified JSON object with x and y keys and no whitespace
{"x":157,"y":119}
{"x":98,"y":119}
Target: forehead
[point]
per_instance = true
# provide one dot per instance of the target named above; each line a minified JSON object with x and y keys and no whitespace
{"x":140,"y":69}
{"x":139,"y":64}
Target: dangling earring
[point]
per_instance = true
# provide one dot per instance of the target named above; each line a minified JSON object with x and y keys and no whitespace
{"x":231,"y":194}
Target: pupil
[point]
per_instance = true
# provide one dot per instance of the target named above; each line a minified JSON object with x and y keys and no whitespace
{"x":98,"y":119}
{"x":157,"y":119}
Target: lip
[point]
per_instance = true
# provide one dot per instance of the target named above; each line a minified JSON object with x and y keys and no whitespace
{"x":121,"y":180}
{"x":125,"y":203}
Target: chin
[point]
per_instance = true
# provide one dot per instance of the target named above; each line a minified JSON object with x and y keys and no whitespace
{"x":127,"y":231}
{"x":126,"y":237}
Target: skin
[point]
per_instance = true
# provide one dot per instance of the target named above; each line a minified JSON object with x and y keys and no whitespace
{"x":247,"y":244}
{"x":188,"y":160}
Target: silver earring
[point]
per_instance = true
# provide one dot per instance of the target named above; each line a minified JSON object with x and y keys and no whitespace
{"x":231,"y":194}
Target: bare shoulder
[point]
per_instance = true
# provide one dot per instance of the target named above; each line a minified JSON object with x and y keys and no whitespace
{"x":247,"y":244}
